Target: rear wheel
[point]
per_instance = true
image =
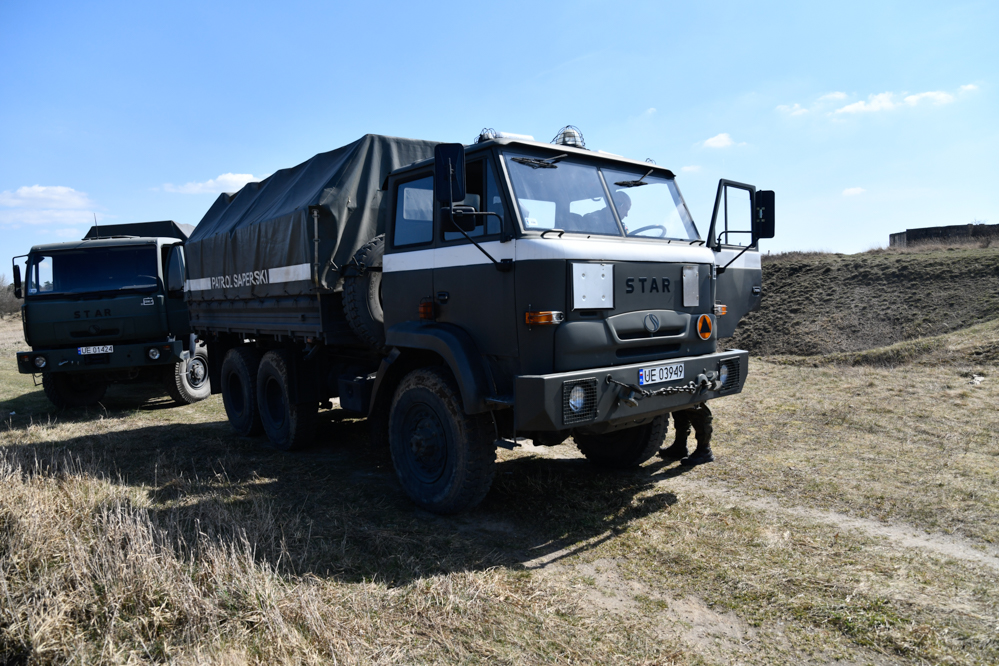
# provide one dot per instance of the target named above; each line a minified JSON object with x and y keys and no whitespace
{"x":65,"y":390}
{"x":239,"y":390}
{"x":445,"y":459}
{"x":187,"y":382}
{"x":289,"y":427}
{"x":626,"y":448}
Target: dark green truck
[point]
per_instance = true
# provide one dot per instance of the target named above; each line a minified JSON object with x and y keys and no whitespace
{"x":110,"y":309}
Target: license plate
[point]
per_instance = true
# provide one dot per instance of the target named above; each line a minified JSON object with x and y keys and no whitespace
{"x":103,"y":349}
{"x":654,"y":374}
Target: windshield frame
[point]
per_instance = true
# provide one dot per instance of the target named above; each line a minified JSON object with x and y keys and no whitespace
{"x":600,"y":163}
{"x":36,"y":255}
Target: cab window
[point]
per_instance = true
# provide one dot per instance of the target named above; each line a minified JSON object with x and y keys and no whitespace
{"x":481,"y":192}
{"x":414,"y":213}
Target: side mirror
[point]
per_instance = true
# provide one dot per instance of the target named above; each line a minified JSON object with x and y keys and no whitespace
{"x":17,"y":281}
{"x":449,"y":172}
{"x":458,"y":218}
{"x":763,"y":220}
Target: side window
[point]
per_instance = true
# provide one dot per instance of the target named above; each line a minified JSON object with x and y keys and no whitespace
{"x":734,"y":225}
{"x":414,"y":213}
{"x":482,"y":192}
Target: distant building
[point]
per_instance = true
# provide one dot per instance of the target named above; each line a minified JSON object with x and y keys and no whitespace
{"x":957,"y":232}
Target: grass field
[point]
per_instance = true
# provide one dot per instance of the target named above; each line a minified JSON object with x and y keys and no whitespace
{"x":852,"y":517}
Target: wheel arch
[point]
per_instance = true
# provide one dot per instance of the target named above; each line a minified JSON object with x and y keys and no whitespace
{"x":417,"y":344}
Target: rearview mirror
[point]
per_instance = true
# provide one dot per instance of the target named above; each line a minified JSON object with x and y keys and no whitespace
{"x":449,"y":172}
{"x":763,"y":220}
{"x":457,"y":218}
{"x":17,"y":281}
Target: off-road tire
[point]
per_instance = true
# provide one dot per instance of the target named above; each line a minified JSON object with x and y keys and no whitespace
{"x":66,"y":390}
{"x":239,"y":390}
{"x":445,"y":459}
{"x":289,"y":427}
{"x":362,"y":295}
{"x":624,"y":449}
{"x":187,"y":383}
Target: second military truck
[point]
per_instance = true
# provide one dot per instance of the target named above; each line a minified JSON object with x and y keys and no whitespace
{"x":462,"y":297}
{"x":110,"y":309}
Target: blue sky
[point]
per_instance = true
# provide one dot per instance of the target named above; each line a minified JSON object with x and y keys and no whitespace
{"x":866,"y":118}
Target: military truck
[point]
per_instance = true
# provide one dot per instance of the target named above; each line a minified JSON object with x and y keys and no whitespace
{"x":465,"y":298}
{"x":110,"y":309}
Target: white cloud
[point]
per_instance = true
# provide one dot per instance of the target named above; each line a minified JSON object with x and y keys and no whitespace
{"x":691,"y":169}
{"x":650,"y":111}
{"x":936,"y":97}
{"x":43,"y":196}
{"x":880,"y":102}
{"x":227,"y":182}
{"x":969,"y":87}
{"x":833,"y":96}
{"x":719,"y":141}
{"x":795,"y":110}
{"x":45,"y":204}
{"x":853,"y":191}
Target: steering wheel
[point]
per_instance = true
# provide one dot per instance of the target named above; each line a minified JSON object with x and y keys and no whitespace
{"x":661,"y":228}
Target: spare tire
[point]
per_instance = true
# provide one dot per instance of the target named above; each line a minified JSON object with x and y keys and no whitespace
{"x":362,"y":294}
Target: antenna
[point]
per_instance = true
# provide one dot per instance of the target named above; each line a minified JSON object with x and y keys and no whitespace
{"x":98,"y":229}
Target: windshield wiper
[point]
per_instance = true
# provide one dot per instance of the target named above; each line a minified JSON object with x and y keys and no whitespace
{"x":137,"y":286}
{"x":634,"y":183}
{"x":538,"y":163}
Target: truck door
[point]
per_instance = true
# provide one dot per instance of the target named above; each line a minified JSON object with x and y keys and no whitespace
{"x":175,"y":273}
{"x":742,"y":215}
{"x":469,"y":291}
{"x":407,"y":277}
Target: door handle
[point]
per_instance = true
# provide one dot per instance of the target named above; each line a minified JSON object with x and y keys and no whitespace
{"x":442,"y":297}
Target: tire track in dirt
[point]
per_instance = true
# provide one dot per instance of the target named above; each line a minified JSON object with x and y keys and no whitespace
{"x":901,"y":534}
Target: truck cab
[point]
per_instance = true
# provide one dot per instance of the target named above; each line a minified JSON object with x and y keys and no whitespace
{"x":106,"y":309}
{"x":592,"y":301}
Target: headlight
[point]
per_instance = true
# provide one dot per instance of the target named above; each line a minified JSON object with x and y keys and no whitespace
{"x":40,"y":362}
{"x":723,"y":373}
{"x":577,"y":398}
{"x":153,"y":353}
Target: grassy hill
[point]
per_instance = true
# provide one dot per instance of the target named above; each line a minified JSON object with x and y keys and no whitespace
{"x":819,"y":303}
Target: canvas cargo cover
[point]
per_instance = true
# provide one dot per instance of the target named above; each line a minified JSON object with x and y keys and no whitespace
{"x":258,"y":242}
{"x":162,"y":229}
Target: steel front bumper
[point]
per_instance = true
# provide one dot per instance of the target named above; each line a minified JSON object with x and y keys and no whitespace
{"x":123,"y":356}
{"x":541,"y":402}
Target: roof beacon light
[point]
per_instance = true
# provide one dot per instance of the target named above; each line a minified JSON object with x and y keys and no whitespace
{"x":570,"y":136}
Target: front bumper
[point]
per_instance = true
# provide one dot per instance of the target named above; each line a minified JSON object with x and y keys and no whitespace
{"x":541,"y":402}
{"x":123,"y":356}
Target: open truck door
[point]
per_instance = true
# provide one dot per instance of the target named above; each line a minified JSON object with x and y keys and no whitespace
{"x":742,"y":216}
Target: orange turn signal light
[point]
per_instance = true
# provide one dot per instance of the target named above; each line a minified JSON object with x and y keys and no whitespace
{"x":544,"y":317}
{"x":720,"y":310}
{"x":427,"y":310}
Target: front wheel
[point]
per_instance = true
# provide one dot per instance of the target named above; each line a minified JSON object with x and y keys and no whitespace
{"x":445,"y":459}
{"x":187,"y":382}
{"x":65,"y":390}
{"x":624,"y":449}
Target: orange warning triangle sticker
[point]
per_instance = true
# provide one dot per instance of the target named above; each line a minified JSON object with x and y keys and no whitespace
{"x":704,"y":327}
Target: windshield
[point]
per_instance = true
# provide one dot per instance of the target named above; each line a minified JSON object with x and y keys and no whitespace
{"x":560,"y":194}
{"x":97,"y":269}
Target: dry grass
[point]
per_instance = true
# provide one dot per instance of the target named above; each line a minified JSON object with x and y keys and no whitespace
{"x":140,"y":533}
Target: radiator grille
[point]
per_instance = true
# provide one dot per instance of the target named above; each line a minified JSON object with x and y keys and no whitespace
{"x":589,"y":410}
